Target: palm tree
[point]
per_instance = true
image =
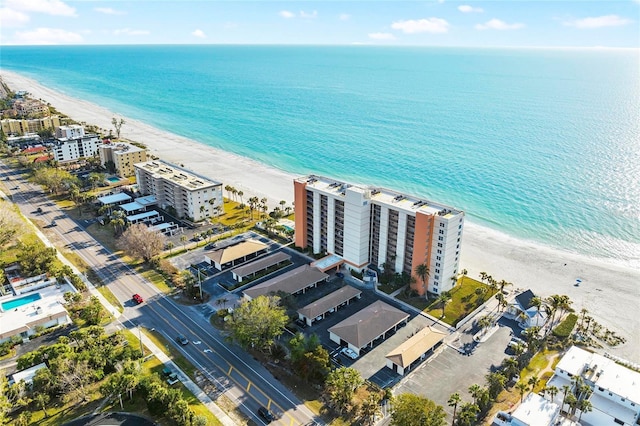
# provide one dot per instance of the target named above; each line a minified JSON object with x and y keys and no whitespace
{"x":565,"y":391}
{"x":422,"y":271}
{"x":485,"y":322}
{"x":170,"y":246}
{"x":483,"y":276}
{"x":502,"y":284}
{"x":511,"y":366}
{"x":468,"y":414}
{"x":474,"y":390}
{"x":183,"y":240}
{"x":533,"y":381}
{"x":240,"y":194}
{"x":443,"y":299}
{"x":522,"y":389}
{"x":584,"y":313}
{"x":500,"y":298}
{"x":454,"y":400}
{"x":118,"y":220}
{"x":584,"y":406}
{"x":552,"y":391}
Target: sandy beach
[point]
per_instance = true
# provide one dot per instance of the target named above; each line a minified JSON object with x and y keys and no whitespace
{"x":610,"y":293}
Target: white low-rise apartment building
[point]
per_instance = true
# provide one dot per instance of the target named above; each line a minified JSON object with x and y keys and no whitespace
{"x":370,"y":225}
{"x":74,"y":149}
{"x":615,"y":397}
{"x":192,"y":196}
{"x":72,"y":131}
{"x":123,"y":155}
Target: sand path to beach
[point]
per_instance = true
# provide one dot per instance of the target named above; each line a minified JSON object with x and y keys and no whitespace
{"x":611,"y":293}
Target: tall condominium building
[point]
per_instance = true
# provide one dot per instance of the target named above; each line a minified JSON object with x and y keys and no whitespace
{"x":73,"y":149}
{"x":32,"y":125}
{"x":192,"y":196}
{"x":123,"y":155}
{"x":370,"y":225}
{"x":72,"y":131}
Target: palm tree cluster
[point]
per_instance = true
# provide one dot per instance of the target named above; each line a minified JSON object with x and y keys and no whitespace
{"x":494,"y":284}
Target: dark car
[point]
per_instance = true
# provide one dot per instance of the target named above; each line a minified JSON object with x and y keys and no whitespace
{"x":339,"y":275}
{"x":182,"y":340}
{"x":210,"y":246}
{"x":266,"y":415}
{"x":137,"y":298}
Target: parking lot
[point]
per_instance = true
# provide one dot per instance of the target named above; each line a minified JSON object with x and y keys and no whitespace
{"x":451,"y":371}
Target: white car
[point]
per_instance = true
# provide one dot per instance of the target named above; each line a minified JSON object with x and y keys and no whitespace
{"x":349,"y":353}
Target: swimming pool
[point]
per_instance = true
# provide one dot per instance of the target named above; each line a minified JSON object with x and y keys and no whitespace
{"x":21,"y":301}
{"x":113,"y":179}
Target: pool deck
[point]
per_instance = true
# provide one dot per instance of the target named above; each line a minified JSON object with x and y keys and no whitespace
{"x":46,"y":311}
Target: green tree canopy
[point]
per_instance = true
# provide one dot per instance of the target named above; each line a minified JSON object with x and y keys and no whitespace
{"x":414,"y":410}
{"x":257,"y":322}
{"x":35,"y":259}
{"x":341,"y":385}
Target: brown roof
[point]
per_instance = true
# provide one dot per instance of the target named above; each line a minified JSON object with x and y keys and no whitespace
{"x":329,"y":301}
{"x":236,"y":251}
{"x":414,"y":347}
{"x":364,"y":326}
{"x":260,"y":264}
{"x":289,"y":282}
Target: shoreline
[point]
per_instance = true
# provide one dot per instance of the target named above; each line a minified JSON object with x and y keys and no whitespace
{"x":609,"y":291}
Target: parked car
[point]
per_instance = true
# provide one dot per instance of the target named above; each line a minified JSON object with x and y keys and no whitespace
{"x":172,"y":379}
{"x":210,"y":246}
{"x":348,"y":352}
{"x":182,"y":340}
{"x":137,"y":298}
{"x":266,"y":415}
{"x":339,"y":275}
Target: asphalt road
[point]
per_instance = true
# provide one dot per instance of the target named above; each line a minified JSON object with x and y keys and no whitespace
{"x":236,"y":373}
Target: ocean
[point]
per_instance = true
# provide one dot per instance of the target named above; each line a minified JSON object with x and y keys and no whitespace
{"x":541,"y":144}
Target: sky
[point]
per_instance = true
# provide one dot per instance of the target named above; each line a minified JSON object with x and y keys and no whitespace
{"x":470,"y":23}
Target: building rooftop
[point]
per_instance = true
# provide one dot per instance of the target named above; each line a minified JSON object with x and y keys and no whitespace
{"x":143,"y":215}
{"x":177,"y":175}
{"x":536,"y":411}
{"x":27,"y":374}
{"x":260,"y":264}
{"x":122,"y":147}
{"x":329,"y":301}
{"x":379,"y":195}
{"x":114,"y":198}
{"x":290,"y":282}
{"x":603,"y":372}
{"x":414,"y":347}
{"x":236,"y":251}
{"x":369,"y":323}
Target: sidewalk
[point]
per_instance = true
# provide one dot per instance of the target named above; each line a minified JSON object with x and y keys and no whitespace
{"x":186,"y":381}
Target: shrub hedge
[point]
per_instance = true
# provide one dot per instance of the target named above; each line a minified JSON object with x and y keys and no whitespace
{"x":564,"y":329}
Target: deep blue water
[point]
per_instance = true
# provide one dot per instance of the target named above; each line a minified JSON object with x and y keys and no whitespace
{"x":543,"y":145}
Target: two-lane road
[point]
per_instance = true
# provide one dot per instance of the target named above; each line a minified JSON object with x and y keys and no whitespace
{"x":243,"y":379}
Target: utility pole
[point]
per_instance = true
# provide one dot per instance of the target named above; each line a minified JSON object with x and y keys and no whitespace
{"x":140,"y":338}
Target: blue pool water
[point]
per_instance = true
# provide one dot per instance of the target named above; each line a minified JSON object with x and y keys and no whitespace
{"x":113,"y":179}
{"x":16,"y":303}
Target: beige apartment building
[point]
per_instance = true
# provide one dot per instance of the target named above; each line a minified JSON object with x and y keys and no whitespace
{"x":366,"y":225}
{"x":26,"y":107}
{"x":192,"y":196}
{"x":123,"y":155}
{"x":32,"y":125}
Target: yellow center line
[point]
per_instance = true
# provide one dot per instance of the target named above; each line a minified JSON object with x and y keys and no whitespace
{"x":231,"y":368}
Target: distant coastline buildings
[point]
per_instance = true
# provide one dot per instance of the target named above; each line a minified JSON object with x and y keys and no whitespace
{"x":366,"y":225}
{"x":192,"y":196}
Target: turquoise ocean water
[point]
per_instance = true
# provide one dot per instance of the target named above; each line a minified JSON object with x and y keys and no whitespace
{"x":543,"y":145}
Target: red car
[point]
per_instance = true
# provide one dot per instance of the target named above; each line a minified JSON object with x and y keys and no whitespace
{"x":137,"y":298}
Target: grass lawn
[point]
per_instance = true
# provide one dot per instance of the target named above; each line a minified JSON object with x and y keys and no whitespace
{"x":464,"y":300}
{"x":172,"y":352}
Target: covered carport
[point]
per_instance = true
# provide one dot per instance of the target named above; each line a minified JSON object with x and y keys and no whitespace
{"x":249,"y":270}
{"x":230,"y":256}
{"x":366,"y":326}
{"x":292,"y":282}
{"x":114,"y":199}
{"x":317,"y":310}
{"x":412,"y":351}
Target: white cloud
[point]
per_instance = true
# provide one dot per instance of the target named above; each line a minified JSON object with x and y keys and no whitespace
{"x":50,"y":7}
{"x":109,"y":11}
{"x":130,"y":32}
{"x":465,"y":8}
{"x":47,"y":36}
{"x":286,"y":14}
{"x":428,"y":25}
{"x":12,"y":18}
{"x":308,"y":15}
{"x":346,"y":16}
{"x":199,"y":33}
{"x":381,"y":36}
{"x":497,"y":24}
{"x":598,"y":22}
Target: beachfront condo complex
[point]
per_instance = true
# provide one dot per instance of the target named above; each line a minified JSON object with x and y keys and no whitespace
{"x":14,"y":126}
{"x":192,"y":196}
{"x":123,"y":155}
{"x":367,"y":225}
